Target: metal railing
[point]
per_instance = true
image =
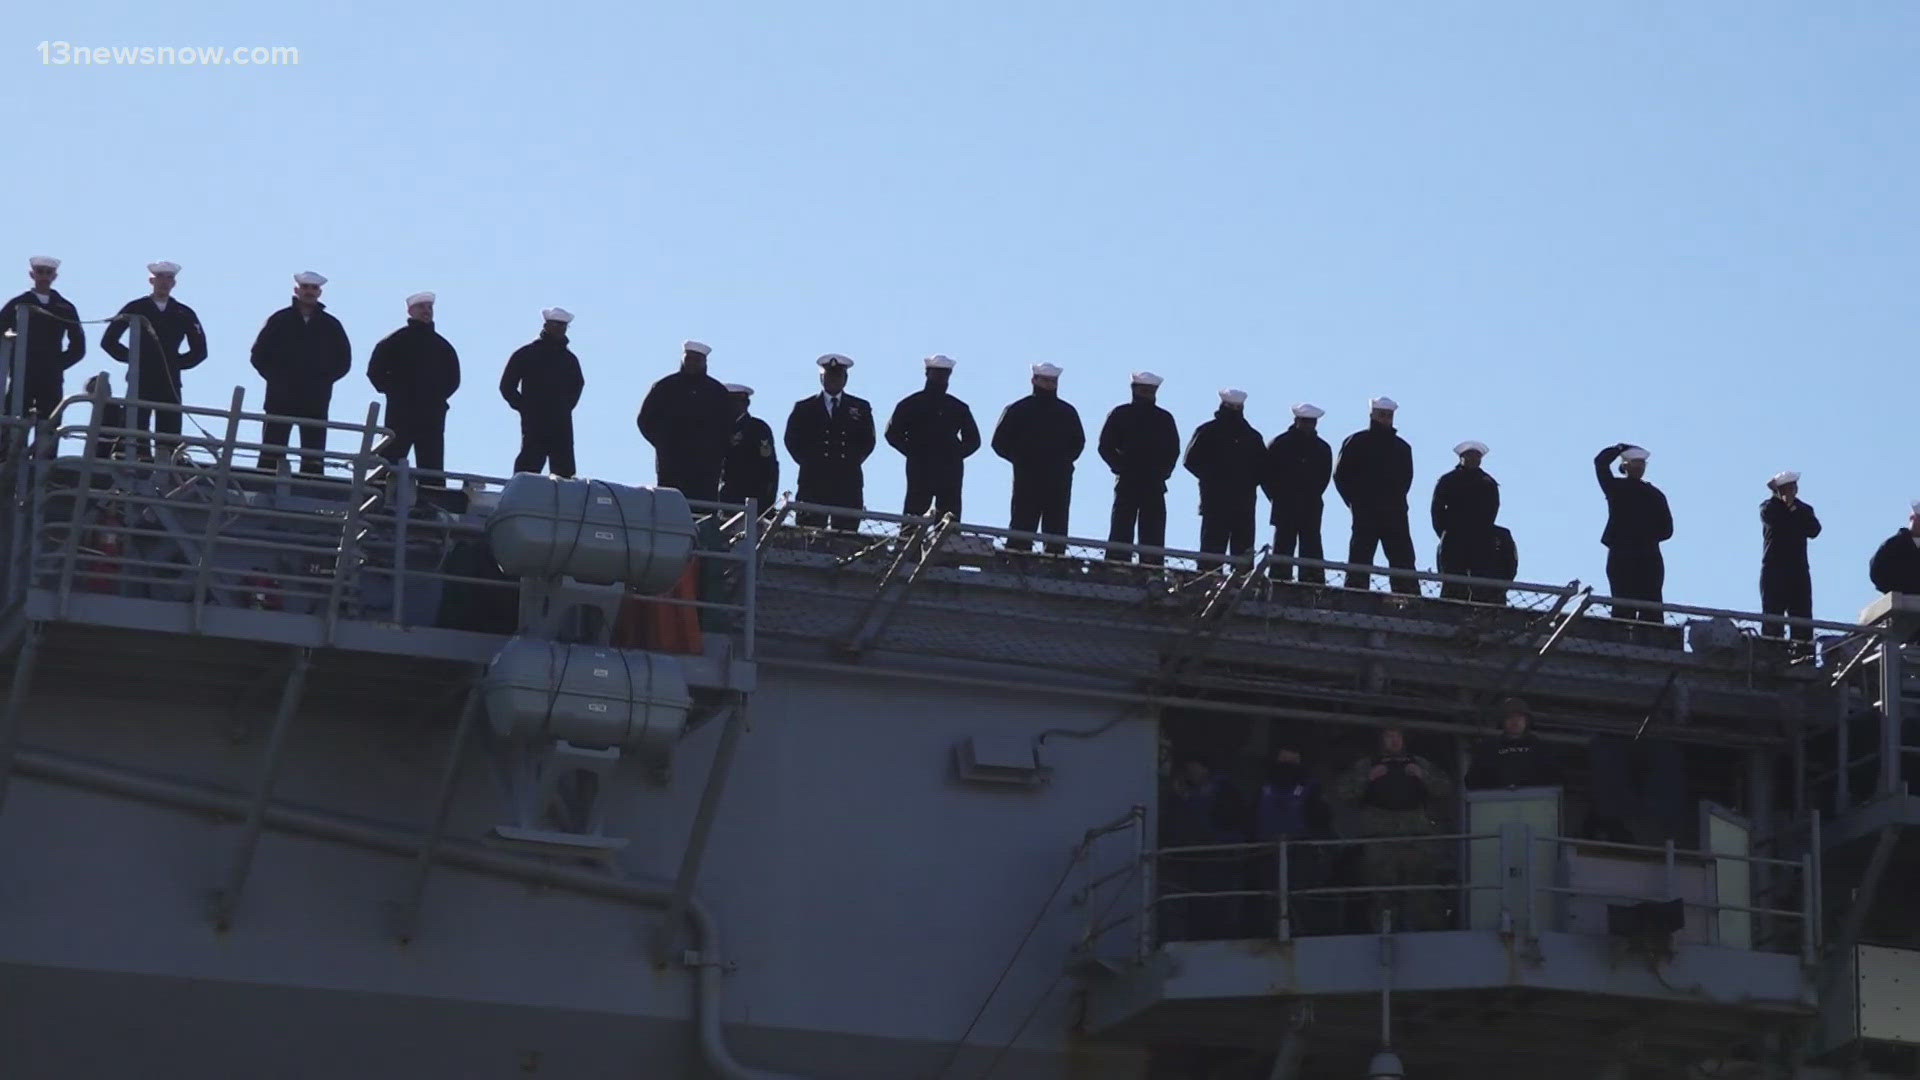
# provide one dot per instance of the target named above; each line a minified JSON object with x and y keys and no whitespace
{"x":1150,"y":886}
{"x":101,"y":508}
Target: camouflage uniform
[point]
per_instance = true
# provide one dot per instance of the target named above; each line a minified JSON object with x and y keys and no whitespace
{"x":1398,"y":804}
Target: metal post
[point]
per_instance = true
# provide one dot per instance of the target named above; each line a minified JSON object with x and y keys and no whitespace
{"x":1843,"y":759}
{"x":17,"y":369}
{"x":350,"y":531}
{"x":70,"y":548}
{"x":1892,"y":663}
{"x":1807,"y":953}
{"x":437,"y":828}
{"x":1286,"y":910}
{"x":750,"y":579}
{"x":1386,"y":977}
{"x":227,"y":900}
{"x":131,"y":419}
{"x":1667,"y":871}
{"x":23,"y":667}
{"x":672,"y":926}
{"x":222,"y":478}
{"x":1143,"y":945}
{"x":403,"y":510}
{"x":1530,"y":900}
{"x":1819,"y":853}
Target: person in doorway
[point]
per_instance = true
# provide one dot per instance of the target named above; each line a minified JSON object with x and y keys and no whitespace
{"x":1290,"y":806}
{"x":1516,"y":759}
{"x":1395,"y":794}
{"x":542,"y":382}
{"x":1198,"y":809}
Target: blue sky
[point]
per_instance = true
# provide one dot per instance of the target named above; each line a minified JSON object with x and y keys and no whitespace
{"x":1687,"y":226}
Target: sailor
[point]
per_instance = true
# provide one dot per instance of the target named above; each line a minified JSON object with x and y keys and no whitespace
{"x":688,"y":417}
{"x":1299,"y":466}
{"x":1465,"y":503}
{"x":171,"y":341}
{"x":301,"y":352}
{"x":1373,"y":474}
{"x":1141,"y":444}
{"x":1394,"y":792}
{"x":1289,"y":806}
{"x":1896,"y":566}
{"x":1638,"y":521}
{"x":542,"y":382}
{"x":1517,"y":758}
{"x":829,"y":436}
{"x":1786,"y":584}
{"x":752,"y":468}
{"x":1041,"y":436}
{"x":1505,"y":566}
{"x":935,"y":432}
{"x":419,"y":371}
{"x":51,"y":319}
{"x":1227,"y":456}
{"x":1199,"y":810}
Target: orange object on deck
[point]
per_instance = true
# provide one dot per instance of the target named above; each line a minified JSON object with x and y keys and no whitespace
{"x":654,"y":624}
{"x":105,"y":546}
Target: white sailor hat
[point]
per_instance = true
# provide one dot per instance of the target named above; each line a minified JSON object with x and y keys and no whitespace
{"x":1916,"y":506}
{"x":1308,"y":412}
{"x":698,"y":348}
{"x":1471,"y":444}
{"x":308,"y":277}
{"x":556,"y":314}
{"x":420,"y":298}
{"x":1146,"y":378}
{"x":1783,"y":478}
{"x":1635,"y":453}
{"x":47,"y":261}
{"x":1386,"y":403}
{"x":834,"y":360}
{"x":1046,"y":371}
{"x":736,"y":388}
{"x":1233,"y":397}
{"x":163,"y":267}
{"x":938,"y":362}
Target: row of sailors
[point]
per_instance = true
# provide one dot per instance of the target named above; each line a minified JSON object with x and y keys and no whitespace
{"x":708,"y":445}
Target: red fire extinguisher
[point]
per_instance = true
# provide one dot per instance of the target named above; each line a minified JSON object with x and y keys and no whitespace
{"x":105,"y":546}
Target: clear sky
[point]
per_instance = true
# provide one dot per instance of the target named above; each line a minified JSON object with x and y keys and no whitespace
{"x":1550,"y":228}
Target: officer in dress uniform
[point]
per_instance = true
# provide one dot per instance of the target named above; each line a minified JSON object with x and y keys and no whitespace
{"x":688,"y":417}
{"x":1896,"y":565}
{"x":165,"y":325}
{"x":1299,"y":466}
{"x":542,"y":382}
{"x":1638,"y":521}
{"x":1373,"y":475}
{"x":419,"y":371}
{"x":752,"y":469}
{"x":51,"y":319}
{"x":935,"y":432}
{"x":829,"y":436}
{"x":1465,"y":503}
{"x":1228,"y":457}
{"x":1786,"y":583}
{"x":1395,"y":792}
{"x":1141,"y":445}
{"x":1041,"y":436}
{"x":1516,"y":759}
{"x":301,"y":352}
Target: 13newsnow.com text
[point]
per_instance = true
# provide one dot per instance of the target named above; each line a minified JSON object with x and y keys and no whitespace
{"x":67,"y":54}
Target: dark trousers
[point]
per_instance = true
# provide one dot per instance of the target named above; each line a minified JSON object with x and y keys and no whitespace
{"x":41,"y":397}
{"x":1386,"y":529}
{"x":164,"y":423}
{"x":1040,"y":504}
{"x":1226,"y":525}
{"x":1296,"y":533}
{"x":1636,"y":572}
{"x":426,"y":440}
{"x":933,"y":489}
{"x":546,"y":443}
{"x":1470,"y":554}
{"x":738,"y":496}
{"x":1139,"y":517}
{"x":1787,"y":590}
{"x":694,"y":480}
{"x":838,"y":486}
{"x":313,"y":437}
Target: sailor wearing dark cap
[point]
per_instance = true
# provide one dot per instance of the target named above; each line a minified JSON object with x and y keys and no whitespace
{"x":936,"y":433}
{"x":171,"y":341}
{"x":1299,"y":465}
{"x":51,"y":319}
{"x":1786,"y":583}
{"x":1465,"y":503}
{"x":688,"y":417}
{"x":1141,"y":444}
{"x":1638,"y":521}
{"x":542,"y":382}
{"x":829,"y":436}
{"x":752,"y":469}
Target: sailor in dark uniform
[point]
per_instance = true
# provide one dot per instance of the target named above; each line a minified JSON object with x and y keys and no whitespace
{"x":1041,"y":436}
{"x":1141,"y":444}
{"x":688,"y":417}
{"x":419,"y":371}
{"x":829,"y":436}
{"x":752,"y":469}
{"x":51,"y":319}
{"x":1228,"y":457}
{"x":542,"y":382}
{"x":1516,"y":759}
{"x":165,"y":326}
{"x":1786,"y":583}
{"x":1638,"y":521}
{"x":1465,"y":503}
{"x":1299,"y":466}
{"x":935,"y":432}
{"x":1896,"y":565}
{"x":1373,"y":474}
{"x":301,"y":352}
